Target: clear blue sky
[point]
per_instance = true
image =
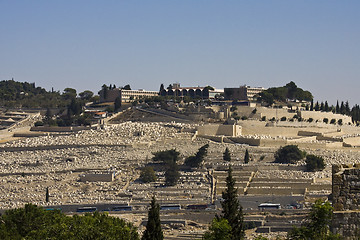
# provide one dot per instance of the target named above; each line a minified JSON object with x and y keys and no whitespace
{"x":83,"y":44}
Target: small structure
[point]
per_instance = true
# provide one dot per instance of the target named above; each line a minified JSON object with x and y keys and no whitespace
{"x":98,"y":177}
{"x":231,"y":130}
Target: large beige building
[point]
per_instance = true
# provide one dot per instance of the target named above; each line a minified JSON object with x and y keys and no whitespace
{"x":125,"y":95}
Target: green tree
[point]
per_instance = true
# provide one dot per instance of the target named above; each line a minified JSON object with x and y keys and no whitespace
{"x":127,"y":87}
{"x":246,"y":157}
{"x":317,"y":225}
{"x":153,"y":227}
{"x":227,"y":155}
{"x":231,"y":208}
{"x":32,"y":222}
{"x":218,"y":230}
{"x":166,"y":157}
{"x":47,"y":195}
{"x":172,"y":174}
{"x":196,"y":161}
{"x":147,"y":175}
{"x":314,"y":163}
{"x":289,"y":154}
{"x":86,"y":95}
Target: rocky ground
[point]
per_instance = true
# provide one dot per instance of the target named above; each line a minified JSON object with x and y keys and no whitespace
{"x":125,"y":148}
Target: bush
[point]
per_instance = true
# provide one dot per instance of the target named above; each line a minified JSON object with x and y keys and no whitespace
{"x":340,"y":122}
{"x":289,"y":154}
{"x":244,"y":118}
{"x":148,"y":175}
{"x":333,"y":121}
{"x":310,"y":120}
{"x":39,"y":123}
{"x":283,"y":119}
{"x":263,"y":118}
{"x":325,"y":120}
{"x":254,"y":111}
{"x":314,"y":163}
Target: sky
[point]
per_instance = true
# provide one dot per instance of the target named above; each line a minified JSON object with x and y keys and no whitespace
{"x":84,"y":44}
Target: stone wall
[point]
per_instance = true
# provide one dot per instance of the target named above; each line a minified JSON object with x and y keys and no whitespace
{"x":346,"y":200}
{"x":217,"y":129}
{"x":97,"y":177}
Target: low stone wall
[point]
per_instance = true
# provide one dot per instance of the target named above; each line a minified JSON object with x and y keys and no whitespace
{"x":249,"y":141}
{"x":60,"y":129}
{"x":346,"y":224}
{"x":97,"y":177}
{"x":281,"y":180}
{"x":219,"y":129}
{"x":275,"y":191}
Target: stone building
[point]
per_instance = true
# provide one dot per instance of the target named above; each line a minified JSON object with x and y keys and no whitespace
{"x":242,"y":93}
{"x":346,"y":200}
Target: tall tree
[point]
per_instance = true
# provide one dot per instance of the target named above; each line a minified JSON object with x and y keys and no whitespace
{"x":312,"y":105}
{"x":196,"y":161}
{"x":218,"y":230}
{"x":227,"y":155}
{"x":326,"y":107}
{"x":317,"y":107}
{"x":153,"y":227}
{"x":47,"y":195}
{"x":246,"y":157}
{"x":337,"y":109}
{"x":232,"y":210}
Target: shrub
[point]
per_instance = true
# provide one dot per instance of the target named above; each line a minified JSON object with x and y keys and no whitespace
{"x":244,"y":118}
{"x":289,"y":154}
{"x":314,"y":163}
{"x":263,"y":118}
{"x":254,"y":111}
{"x":147,"y":175}
{"x":325,"y":120}
{"x":310,"y":120}
{"x":333,"y":121}
{"x":39,"y":123}
{"x":283,"y":119}
{"x":340,"y":122}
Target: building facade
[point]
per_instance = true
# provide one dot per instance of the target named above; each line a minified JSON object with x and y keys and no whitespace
{"x":242,"y":93}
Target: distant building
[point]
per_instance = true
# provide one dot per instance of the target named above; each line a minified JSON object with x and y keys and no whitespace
{"x":242,"y":93}
{"x":193,"y":92}
{"x":126,"y":95}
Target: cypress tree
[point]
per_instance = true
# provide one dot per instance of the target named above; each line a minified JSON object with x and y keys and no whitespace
{"x":326,"y":107}
{"x":337,"y":108}
{"x":312,"y":105}
{"x":232,"y":210}
{"x":153,"y":227}
{"x":226,"y":155}
{"x":47,"y":195}
{"x":247,"y":157}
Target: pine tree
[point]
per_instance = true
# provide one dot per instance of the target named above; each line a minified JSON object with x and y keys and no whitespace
{"x":232,"y":210}
{"x":247,"y":157}
{"x":226,"y":155}
{"x":312,"y":105}
{"x":153,"y":227}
